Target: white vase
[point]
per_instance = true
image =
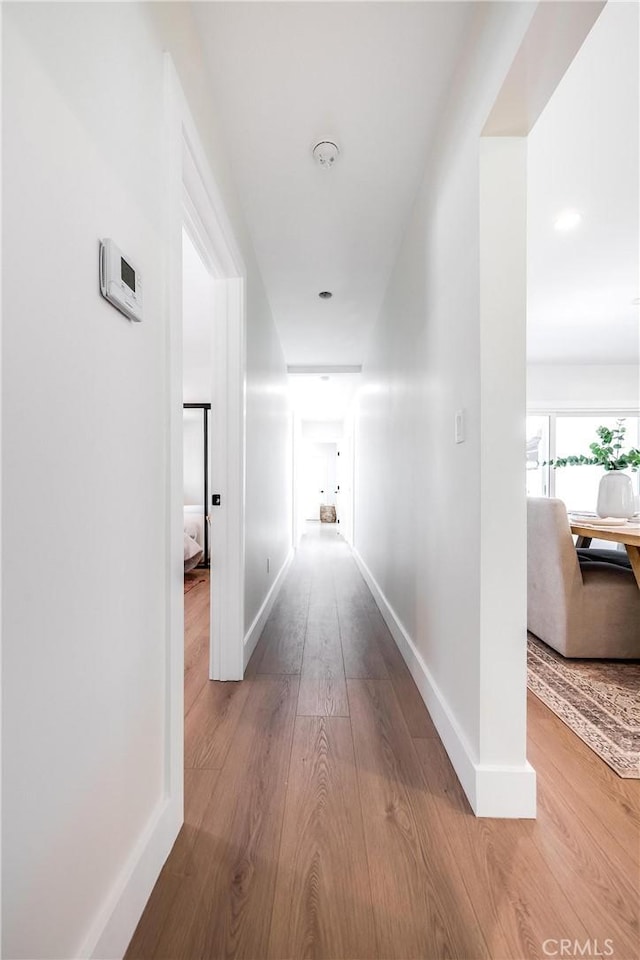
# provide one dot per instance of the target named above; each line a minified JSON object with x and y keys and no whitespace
{"x":615,"y":495}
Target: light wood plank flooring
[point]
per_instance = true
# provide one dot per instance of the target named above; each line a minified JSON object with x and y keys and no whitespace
{"x":323,"y":818}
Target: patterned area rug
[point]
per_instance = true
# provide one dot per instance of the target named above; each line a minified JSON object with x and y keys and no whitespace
{"x":598,"y":699}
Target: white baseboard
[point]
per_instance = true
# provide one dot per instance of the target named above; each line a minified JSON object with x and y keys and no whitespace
{"x":255,"y":630}
{"x":492,"y":791}
{"x":116,"y":922}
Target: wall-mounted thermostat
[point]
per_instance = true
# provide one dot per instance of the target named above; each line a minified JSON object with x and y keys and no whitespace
{"x":120,"y":283}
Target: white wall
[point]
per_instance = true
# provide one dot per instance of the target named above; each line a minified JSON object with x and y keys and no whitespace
{"x":269,"y":455}
{"x":84,"y":401}
{"x":583,"y":386}
{"x":418,"y":493}
{"x":84,"y":651}
{"x":322,"y":431}
{"x":197,"y":326}
{"x":193,"y":457}
{"x":503,"y":573}
{"x":1,"y":494}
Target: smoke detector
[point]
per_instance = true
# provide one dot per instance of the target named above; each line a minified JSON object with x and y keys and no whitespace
{"x":326,"y":153}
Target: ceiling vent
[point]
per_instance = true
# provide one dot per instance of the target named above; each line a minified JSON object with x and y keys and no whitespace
{"x":326,"y":153}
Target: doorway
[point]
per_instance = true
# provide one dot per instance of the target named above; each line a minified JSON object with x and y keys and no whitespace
{"x":197,"y":382}
{"x":324,"y":475}
{"x":502,"y":183}
{"x":199,"y":229}
{"x":212,"y":314}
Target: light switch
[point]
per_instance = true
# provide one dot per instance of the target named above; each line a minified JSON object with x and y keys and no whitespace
{"x":459,"y":429}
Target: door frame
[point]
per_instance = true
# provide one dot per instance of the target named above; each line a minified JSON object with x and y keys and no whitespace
{"x":195,"y":203}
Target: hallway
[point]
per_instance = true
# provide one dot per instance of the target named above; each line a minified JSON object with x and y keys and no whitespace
{"x":323,"y":818}
{"x":375,"y":196}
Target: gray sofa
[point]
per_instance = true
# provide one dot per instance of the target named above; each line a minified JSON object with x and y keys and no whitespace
{"x":590,"y":611}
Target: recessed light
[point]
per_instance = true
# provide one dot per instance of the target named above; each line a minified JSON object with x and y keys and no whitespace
{"x":635,"y":302}
{"x":325,"y":295}
{"x":567,"y":220}
{"x":325,"y":376}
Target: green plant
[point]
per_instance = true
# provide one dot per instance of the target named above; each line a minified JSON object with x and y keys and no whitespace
{"x":605,"y":452}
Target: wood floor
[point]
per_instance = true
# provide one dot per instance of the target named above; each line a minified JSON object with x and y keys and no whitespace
{"x":323,"y":819}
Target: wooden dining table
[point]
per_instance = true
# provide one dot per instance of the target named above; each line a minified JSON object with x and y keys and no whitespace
{"x":628,"y":533}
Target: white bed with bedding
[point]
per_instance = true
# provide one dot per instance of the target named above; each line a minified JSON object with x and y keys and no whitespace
{"x":193,"y":536}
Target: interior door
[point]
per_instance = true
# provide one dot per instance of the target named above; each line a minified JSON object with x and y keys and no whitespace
{"x":340,"y":483}
{"x":315,"y":485}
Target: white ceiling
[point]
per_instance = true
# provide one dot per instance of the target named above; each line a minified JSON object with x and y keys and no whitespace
{"x":370,"y":76}
{"x":584,"y":155}
{"x":373,"y":76}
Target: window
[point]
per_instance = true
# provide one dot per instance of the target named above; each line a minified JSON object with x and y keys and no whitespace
{"x":560,"y":434}
{"x":537,"y":454}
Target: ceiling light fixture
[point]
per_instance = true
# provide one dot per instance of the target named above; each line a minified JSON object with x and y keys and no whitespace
{"x":635,"y":302}
{"x":567,"y":220}
{"x":325,"y":376}
{"x":325,"y":153}
{"x":325,"y":294}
